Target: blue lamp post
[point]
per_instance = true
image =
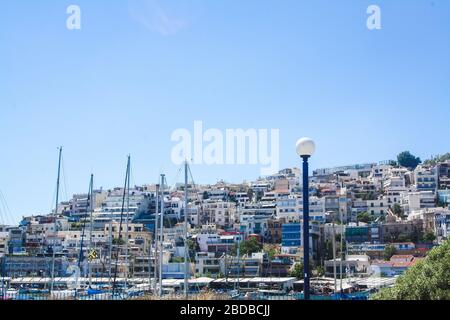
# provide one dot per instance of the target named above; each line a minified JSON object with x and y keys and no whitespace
{"x":305,"y":149}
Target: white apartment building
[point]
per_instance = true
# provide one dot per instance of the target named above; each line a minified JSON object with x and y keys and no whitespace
{"x":114,"y":199}
{"x":291,"y":208}
{"x":379,"y":207}
{"x":242,"y":197}
{"x":394,"y":195}
{"x":396,"y":178}
{"x":72,"y":239}
{"x":269,"y":197}
{"x":442,"y":222}
{"x":426,"y":178}
{"x":206,"y":263}
{"x":218,"y":194}
{"x":194,"y":214}
{"x":254,"y":224}
{"x":220,"y":213}
{"x":380,"y":171}
{"x":413,"y":201}
{"x":261,"y":186}
{"x":176,"y":233}
{"x":174,"y":208}
{"x":79,"y":205}
{"x":207,"y":237}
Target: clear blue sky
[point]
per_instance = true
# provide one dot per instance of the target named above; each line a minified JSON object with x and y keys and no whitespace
{"x":137,"y":70}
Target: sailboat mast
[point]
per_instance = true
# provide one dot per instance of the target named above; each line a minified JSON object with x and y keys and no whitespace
{"x":81,"y":253}
{"x":161,"y":227}
{"x":334,"y":259}
{"x":55,"y":214}
{"x":238,"y":258}
{"x":186,"y":247}
{"x":91,"y":227}
{"x":342,"y":249}
{"x":110,"y":253}
{"x":121,"y":225}
{"x":127,"y":223}
{"x":155,"y":235}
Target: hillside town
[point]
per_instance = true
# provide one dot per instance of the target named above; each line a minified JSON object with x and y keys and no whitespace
{"x":369,"y":224}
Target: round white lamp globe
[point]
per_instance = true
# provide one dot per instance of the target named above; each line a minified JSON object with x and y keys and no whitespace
{"x":305,"y":147}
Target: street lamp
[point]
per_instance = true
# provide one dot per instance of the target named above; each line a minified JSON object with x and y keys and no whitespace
{"x":305,"y":148}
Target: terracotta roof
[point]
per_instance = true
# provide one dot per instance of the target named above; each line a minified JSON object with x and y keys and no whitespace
{"x":403,"y":264}
{"x":402,"y":257}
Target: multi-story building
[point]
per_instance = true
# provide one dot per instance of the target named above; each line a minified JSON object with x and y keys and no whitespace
{"x":114,"y":199}
{"x":357,"y":234}
{"x":401,"y":231}
{"x":34,"y":266}
{"x":353,"y":265}
{"x":207,"y":264}
{"x":377,"y":208}
{"x":4,"y":239}
{"x":218,"y":194}
{"x":79,"y":206}
{"x":413,"y":201}
{"x":141,"y":266}
{"x":442,"y":222}
{"x":274,"y":227}
{"x":245,"y":266}
{"x":219,"y":212}
{"x":288,"y":208}
{"x":444,"y":175}
{"x":292,"y":237}
{"x":242,"y":197}
{"x":254,"y":224}
{"x":426,"y":178}
{"x":138,"y":239}
{"x":376,"y":250}
{"x":16,"y":243}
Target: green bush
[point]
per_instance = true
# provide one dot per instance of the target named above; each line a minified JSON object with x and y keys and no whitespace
{"x":429,"y":279}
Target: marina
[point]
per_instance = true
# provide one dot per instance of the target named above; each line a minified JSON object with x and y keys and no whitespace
{"x":249,"y":289}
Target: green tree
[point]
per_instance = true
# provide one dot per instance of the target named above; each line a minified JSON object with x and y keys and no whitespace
{"x":118,"y":241}
{"x":398,"y":210}
{"x":205,"y":195}
{"x":369,"y":196}
{"x":271,"y":251}
{"x":319,"y":271}
{"x":298,"y":270}
{"x":403,"y":238}
{"x":327,"y":250}
{"x":407,"y":160}
{"x":429,"y":237}
{"x":364,"y":217}
{"x":437,"y":159}
{"x":249,"y":246}
{"x":389,"y":251}
{"x":177,"y":259}
{"x":393,"y":163}
{"x":429,"y":279}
